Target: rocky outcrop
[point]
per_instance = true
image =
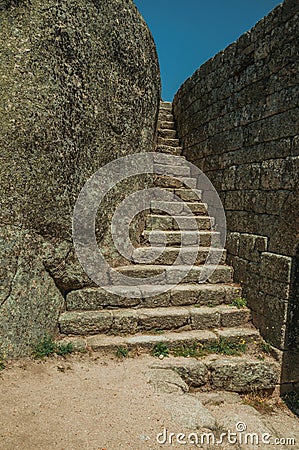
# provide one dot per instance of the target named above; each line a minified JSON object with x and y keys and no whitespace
{"x":80,"y":87}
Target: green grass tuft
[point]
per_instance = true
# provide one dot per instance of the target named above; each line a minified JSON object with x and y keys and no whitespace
{"x":122,"y":352}
{"x":47,"y":347}
{"x":160,"y":349}
{"x":239,"y":302}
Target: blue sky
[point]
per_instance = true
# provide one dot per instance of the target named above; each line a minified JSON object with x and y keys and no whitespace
{"x":189,"y":32}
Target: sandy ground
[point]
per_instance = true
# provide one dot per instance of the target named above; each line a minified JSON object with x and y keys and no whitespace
{"x":97,"y":402}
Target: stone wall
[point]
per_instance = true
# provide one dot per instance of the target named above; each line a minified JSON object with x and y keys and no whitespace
{"x":237,"y":118}
{"x":80,"y":87}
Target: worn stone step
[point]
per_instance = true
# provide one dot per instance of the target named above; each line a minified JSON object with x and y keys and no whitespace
{"x":168,"y":142}
{"x":175,"y":183}
{"x":169,"y":170}
{"x":230,"y":373}
{"x":188,"y":195}
{"x":188,"y":238}
{"x":174,"y":194}
{"x":178,"y":208}
{"x":148,"y":296}
{"x":146,"y":342}
{"x":174,"y":255}
{"x":167,"y":159}
{"x":166,"y":105}
{"x":170,"y":274}
{"x":167,"y":133}
{"x":165,"y":222}
{"x":167,"y":125}
{"x":165,"y":116}
{"x":168,"y":149}
{"x":131,"y":321}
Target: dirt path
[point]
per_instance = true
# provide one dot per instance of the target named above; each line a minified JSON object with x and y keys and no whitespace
{"x":96,"y":402}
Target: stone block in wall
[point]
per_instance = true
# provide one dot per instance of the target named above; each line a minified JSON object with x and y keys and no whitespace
{"x":280,"y":173}
{"x":271,"y":174}
{"x":275,"y":313}
{"x":226,"y":141}
{"x":252,"y":278}
{"x":240,"y":267}
{"x":255,"y":299}
{"x":240,"y":220}
{"x":255,"y":200}
{"x":290,"y":367}
{"x":272,"y":331}
{"x":282,"y":100}
{"x":260,"y":152}
{"x":216,"y":179}
{"x":228,"y":177}
{"x":211,"y":163}
{"x":273,"y":287}
{"x":264,"y":223}
{"x":290,"y":176}
{"x":247,"y":273}
{"x":248,"y":176}
{"x":274,"y":127}
{"x":234,"y":201}
{"x":287,"y":76}
{"x":276,"y":267}
{"x":275,"y":201}
{"x":232,"y":243}
{"x":251,"y":246}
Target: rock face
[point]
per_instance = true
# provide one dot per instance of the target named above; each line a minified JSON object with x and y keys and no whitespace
{"x":80,"y":86}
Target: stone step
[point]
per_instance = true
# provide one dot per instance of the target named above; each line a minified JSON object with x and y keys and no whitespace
{"x":170,"y":150}
{"x":178,"y":208}
{"x":171,"y":274}
{"x":224,"y":372}
{"x":169,"y":142}
{"x":132,"y":321}
{"x":172,"y":160}
{"x":165,"y":116}
{"x":175,"y":183}
{"x":178,"y":256}
{"x":167,"y":125}
{"x":169,"y":170}
{"x":167,"y":133}
{"x":165,"y":105}
{"x":146,"y":342}
{"x":185,"y":194}
{"x":149,"y":296}
{"x":162,"y":237}
{"x":174,"y":194}
{"x":165,"y":222}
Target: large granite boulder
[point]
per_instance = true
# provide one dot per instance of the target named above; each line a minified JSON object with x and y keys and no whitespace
{"x":80,"y":86}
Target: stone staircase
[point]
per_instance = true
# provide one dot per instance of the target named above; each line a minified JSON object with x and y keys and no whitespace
{"x":190,"y":312}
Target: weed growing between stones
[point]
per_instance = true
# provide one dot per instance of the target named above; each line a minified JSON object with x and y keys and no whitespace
{"x":239,"y":302}
{"x":160,"y":349}
{"x":194,"y":350}
{"x":226,"y":347}
{"x":198,"y":350}
{"x":266,"y":347}
{"x":122,"y":352}
{"x":47,"y":347}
